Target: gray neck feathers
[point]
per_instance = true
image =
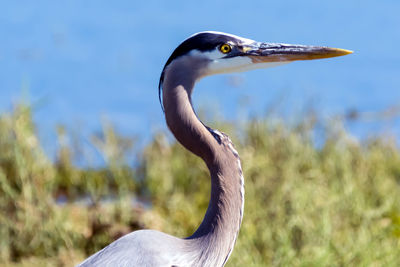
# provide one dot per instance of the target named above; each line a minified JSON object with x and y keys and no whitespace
{"x":218,"y":231}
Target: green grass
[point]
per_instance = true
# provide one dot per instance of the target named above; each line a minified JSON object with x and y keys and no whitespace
{"x":335,"y":205}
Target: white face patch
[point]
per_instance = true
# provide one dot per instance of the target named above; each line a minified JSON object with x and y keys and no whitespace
{"x":219,"y":64}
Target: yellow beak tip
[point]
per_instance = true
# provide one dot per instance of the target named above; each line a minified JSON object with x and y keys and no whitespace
{"x":343,"y":52}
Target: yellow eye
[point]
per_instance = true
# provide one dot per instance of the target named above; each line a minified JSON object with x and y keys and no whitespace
{"x":225,"y":48}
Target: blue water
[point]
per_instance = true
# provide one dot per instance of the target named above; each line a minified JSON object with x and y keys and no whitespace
{"x":80,"y":61}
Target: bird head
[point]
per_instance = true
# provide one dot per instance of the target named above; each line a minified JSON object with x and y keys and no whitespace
{"x":209,"y":53}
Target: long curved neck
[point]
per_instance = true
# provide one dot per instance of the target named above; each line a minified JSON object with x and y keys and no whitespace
{"x":215,"y":237}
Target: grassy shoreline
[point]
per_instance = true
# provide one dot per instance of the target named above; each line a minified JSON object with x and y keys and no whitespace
{"x":335,"y":205}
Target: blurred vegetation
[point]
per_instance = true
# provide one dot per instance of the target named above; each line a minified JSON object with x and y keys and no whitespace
{"x":337,"y":204}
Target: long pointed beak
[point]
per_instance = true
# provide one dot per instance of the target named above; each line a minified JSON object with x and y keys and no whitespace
{"x":272,"y":52}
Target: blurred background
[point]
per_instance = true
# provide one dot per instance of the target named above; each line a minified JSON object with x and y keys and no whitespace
{"x":77,"y":61}
{"x":82,"y":132}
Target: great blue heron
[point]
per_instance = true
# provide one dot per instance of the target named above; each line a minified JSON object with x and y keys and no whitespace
{"x":203,"y":54}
